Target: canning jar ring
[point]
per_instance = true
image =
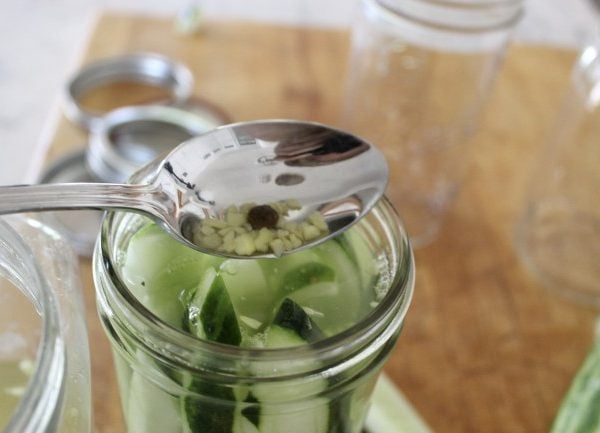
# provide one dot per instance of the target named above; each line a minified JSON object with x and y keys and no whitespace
{"x":146,"y":68}
{"x":103,"y":157}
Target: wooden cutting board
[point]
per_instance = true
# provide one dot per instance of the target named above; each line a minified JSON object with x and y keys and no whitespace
{"x":484,"y":348}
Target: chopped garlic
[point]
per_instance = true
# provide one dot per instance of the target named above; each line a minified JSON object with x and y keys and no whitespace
{"x":277,"y":246}
{"x":318,"y":221}
{"x":235,"y":219}
{"x":310,"y":232}
{"x":212,"y":241}
{"x":244,"y":245}
{"x":208,"y":230}
{"x":261,"y":231}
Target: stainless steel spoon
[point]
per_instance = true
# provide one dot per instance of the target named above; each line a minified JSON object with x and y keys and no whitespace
{"x":324,"y":169}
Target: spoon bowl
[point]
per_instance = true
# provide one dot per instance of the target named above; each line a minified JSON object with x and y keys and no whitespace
{"x":321,"y":169}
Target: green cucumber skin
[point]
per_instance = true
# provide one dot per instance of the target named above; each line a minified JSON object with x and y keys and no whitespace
{"x":252,"y":411}
{"x":291,"y":316}
{"x":580,"y":409}
{"x":203,"y":416}
{"x":218,"y":317}
{"x":216,"y":321}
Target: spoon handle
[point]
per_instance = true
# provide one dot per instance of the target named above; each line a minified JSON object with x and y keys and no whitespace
{"x":34,"y":198}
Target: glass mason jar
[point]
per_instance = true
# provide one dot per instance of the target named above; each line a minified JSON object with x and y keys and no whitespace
{"x":558,"y":232}
{"x":44,"y":359}
{"x":418,"y":75}
{"x":172,"y":382}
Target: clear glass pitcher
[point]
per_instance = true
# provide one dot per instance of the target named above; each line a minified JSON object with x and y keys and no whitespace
{"x":44,"y":356}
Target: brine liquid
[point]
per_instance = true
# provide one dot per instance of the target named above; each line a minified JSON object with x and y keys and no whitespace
{"x":336,"y":283}
{"x":14,"y":376}
{"x":20,"y":327}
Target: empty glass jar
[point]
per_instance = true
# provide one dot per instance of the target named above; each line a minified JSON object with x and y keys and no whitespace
{"x":418,"y":76}
{"x":558,"y":234}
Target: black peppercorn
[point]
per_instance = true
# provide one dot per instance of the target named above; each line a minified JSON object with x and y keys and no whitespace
{"x":262,"y":216}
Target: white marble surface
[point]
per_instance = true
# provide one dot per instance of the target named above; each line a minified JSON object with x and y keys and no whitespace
{"x":41,"y":42}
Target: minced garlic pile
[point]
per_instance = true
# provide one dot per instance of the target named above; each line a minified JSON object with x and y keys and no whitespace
{"x":252,"y":228}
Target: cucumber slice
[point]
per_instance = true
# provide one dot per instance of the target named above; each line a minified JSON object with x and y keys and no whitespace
{"x":331,"y":254}
{"x":291,"y":406}
{"x":159,"y":270}
{"x":276,"y":271}
{"x":244,"y":425}
{"x":579,"y":412}
{"x":247,"y":415}
{"x":292,"y":325}
{"x":211,"y":408}
{"x":123,"y":372}
{"x":191,"y":322}
{"x":340,"y":305}
{"x":251,"y":411}
{"x":150,"y":409}
{"x":252,"y":297}
{"x":321,"y":302}
{"x":307,"y":419}
{"x":358,"y":251}
{"x":392,"y":412}
{"x":278,"y":337}
{"x":211,"y":314}
{"x":305,"y":275}
{"x":213,"y":412}
{"x":317,"y":279}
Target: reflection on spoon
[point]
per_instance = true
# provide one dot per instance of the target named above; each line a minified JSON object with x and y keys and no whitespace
{"x":327,"y":172}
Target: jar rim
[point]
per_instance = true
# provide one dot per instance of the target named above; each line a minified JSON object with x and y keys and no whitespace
{"x":471,"y":17}
{"x":36,"y":410}
{"x":181,"y":347}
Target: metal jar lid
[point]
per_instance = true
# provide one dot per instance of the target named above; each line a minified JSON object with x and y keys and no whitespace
{"x":128,"y":138}
{"x":147,"y":68}
{"x":79,"y":227}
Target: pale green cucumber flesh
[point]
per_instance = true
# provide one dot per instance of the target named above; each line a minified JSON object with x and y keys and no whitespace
{"x":306,"y":274}
{"x":579,"y":412}
{"x":275,"y":271}
{"x":149,"y":408}
{"x":159,"y":270}
{"x":360,"y":254}
{"x":251,"y":295}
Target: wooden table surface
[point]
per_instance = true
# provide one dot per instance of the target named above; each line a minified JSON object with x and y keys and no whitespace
{"x":485,"y":348}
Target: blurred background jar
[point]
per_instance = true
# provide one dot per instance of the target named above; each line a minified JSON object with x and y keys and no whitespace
{"x":44,"y":359}
{"x":419,"y":73}
{"x":558,"y":234}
